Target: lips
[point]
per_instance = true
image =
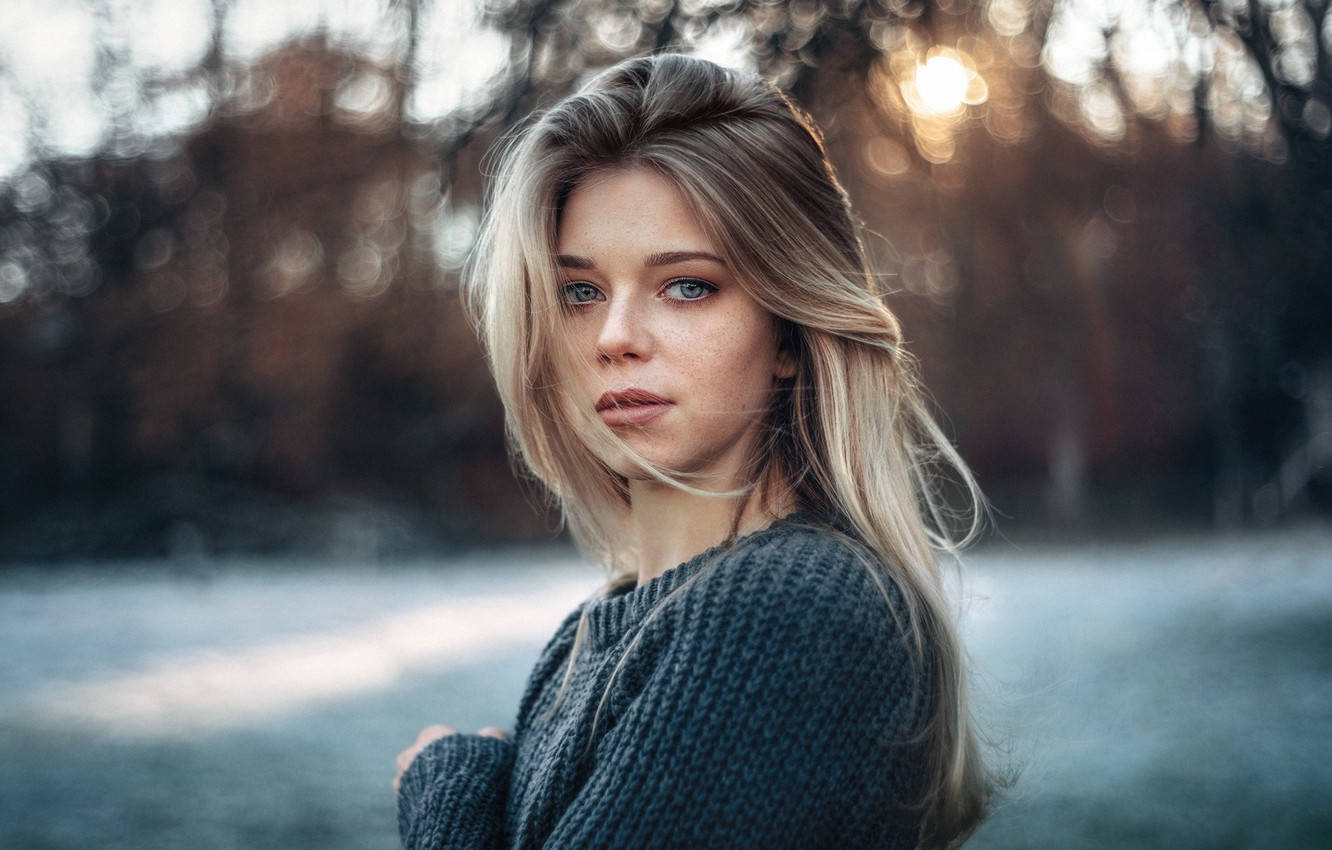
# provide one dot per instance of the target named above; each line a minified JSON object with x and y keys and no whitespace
{"x":631,"y":407}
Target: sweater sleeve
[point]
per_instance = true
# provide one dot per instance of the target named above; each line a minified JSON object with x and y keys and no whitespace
{"x":780,"y":713}
{"x":452,"y":795}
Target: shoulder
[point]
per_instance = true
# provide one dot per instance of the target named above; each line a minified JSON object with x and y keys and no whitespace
{"x":549,"y":663}
{"x":797,"y":624}
{"x":795,"y":597}
{"x":803,"y":572}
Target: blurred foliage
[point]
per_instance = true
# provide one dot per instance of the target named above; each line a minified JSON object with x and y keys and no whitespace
{"x":229,"y":236}
{"x":1250,"y":71}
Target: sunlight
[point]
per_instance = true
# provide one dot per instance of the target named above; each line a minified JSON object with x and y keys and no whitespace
{"x":726,"y":43}
{"x":943,"y":84}
{"x":212,"y":690}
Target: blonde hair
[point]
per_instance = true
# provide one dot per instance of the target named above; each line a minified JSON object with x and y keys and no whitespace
{"x":851,"y":432}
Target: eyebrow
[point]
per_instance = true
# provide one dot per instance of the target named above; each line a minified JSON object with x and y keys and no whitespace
{"x":663,"y":258}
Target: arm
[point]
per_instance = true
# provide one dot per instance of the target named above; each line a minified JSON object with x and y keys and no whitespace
{"x":453,"y":791}
{"x":453,"y":794}
{"x":777,"y":717}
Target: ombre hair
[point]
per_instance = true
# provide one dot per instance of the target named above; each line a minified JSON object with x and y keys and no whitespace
{"x":851,"y":433}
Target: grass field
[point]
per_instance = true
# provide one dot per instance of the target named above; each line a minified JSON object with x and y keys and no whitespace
{"x":1170,"y":693}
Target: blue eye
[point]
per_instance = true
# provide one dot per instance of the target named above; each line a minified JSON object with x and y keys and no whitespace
{"x":689,"y":289}
{"x":581,"y":292}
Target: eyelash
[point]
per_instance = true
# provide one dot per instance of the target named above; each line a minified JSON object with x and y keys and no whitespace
{"x":573,"y":286}
{"x":570,"y":287}
{"x":708,"y":288}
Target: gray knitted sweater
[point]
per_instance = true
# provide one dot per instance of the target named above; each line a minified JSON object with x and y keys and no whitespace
{"x":770,"y":703}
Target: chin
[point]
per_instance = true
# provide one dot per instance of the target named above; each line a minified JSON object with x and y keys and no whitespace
{"x":703,"y":465}
{"x":694,"y":472}
{"x":623,"y":466}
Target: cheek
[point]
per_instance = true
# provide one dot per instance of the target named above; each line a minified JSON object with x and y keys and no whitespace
{"x":738,"y":365}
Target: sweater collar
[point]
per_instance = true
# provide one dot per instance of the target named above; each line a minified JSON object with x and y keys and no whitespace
{"x":611,"y":617}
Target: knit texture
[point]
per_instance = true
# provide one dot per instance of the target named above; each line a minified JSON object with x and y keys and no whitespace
{"x":772,"y":702}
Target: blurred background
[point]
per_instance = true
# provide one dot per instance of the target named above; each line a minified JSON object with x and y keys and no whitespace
{"x":257,"y":523}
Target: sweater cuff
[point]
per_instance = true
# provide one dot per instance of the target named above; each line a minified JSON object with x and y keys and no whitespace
{"x":454,"y":791}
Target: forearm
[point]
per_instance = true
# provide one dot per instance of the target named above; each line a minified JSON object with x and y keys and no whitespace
{"x":453,"y":794}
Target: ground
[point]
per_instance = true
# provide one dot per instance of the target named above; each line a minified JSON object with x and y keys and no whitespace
{"x":1164,"y":693}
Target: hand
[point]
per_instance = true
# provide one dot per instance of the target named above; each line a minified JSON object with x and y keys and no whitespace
{"x":423,"y":740}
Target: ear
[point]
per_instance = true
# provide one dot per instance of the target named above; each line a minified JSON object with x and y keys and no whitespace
{"x":786,"y":365}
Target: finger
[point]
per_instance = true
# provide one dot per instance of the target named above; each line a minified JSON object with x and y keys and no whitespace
{"x":430,"y":733}
{"x":423,"y":739}
{"x":404,"y":759}
{"x":492,"y":732}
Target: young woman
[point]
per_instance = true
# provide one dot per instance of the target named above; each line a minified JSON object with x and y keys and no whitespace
{"x":698,"y":365}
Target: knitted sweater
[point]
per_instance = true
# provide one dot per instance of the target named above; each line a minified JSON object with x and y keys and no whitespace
{"x":770,"y":703}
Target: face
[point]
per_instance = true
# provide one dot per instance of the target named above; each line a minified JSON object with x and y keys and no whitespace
{"x":673,"y":354}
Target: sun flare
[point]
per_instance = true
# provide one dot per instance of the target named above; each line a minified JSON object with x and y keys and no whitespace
{"x":942,"y":83}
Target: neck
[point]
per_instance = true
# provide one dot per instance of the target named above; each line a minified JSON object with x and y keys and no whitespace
{"x":671,"y":526}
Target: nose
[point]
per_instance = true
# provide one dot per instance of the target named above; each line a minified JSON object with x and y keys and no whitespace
{"x":624,"y":335}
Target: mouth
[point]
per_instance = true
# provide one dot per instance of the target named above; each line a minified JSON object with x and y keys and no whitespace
{"x":632,"y":397}
{"x":631,"y":407}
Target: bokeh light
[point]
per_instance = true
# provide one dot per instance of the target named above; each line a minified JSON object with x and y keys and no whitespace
{"x":940,"y":85}
{"x":192,"y":160}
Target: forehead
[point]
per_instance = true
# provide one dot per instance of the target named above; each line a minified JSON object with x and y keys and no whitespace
{"x":632,"y":207}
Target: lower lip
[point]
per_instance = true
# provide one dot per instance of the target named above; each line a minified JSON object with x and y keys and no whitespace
{"x":632,"y":414}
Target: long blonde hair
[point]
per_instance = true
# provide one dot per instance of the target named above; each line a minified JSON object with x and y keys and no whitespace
{"x":851,"y":432}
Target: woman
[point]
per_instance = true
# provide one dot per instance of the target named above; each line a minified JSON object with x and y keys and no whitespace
{"x":697,"y":364}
